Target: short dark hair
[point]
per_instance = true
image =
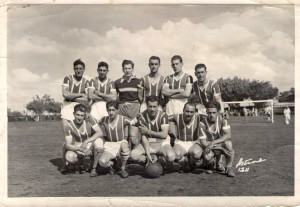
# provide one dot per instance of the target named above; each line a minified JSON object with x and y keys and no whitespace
{"x":102,"y":64}
{"x":151,"y":99}
{"x":126,"y":62}
{"x":154,"y":58}
{"x":78,"y":62}
{"x":177,"y":57}
{"x":80,"y":107}
{"x":191,"y":104}
{"x":213,"y":104}
{"x":112,"y":103}
{"x":200,"y":65}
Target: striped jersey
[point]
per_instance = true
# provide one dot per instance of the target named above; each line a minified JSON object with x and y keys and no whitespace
{"x":178,"y":82}
{"x":205,"y":94}
{"x":186,"y":131}
{"x":85,"y":131}
{"x":212,"y":131}
{"x":76,"y":86}
{"x":127,"y":90}
{"x":152,"y":87}
{"x":106,"y":86}
{"x":160,"y":120}
{"x":114,"y":132}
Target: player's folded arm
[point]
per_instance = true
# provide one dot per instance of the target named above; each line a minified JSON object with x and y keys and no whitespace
{"x":161,"y":134}
{"x":69,"y":143}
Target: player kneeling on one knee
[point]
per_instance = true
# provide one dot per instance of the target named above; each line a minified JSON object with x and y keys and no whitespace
{"x":154,"y":126}
{"x":186,"y":145}
{"x":215,"y":136}
{"x":114,"y":142}
{"x":80,"y":135}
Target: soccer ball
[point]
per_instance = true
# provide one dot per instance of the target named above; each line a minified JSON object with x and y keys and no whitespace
{"x":154,"y":170}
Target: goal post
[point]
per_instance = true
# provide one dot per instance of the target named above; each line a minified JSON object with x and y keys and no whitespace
{"x":251,"y":103}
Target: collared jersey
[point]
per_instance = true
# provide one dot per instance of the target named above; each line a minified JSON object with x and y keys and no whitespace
{"x":174,"y":82}
{"x":186,"y":131}
{"x":85,"y":131}
{"x":212,"y":131}
{"x":160,"y":120}
{"x":206,"y":93}
{"x":106,"y":87}
{"x":127,"y":90}
{"x":76,"y":86}
{"x":114,"y":132}
{"x":152,"y":87}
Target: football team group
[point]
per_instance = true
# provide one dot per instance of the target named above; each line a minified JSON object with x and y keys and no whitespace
{"x":171,"y":120}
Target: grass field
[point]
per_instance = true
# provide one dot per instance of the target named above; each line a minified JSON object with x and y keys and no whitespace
{"x":34,"y":150}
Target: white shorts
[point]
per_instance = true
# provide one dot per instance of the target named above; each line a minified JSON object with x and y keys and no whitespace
{"x":175,"y":106}
{"x":114,"y":147}
{"x":156,"y":146}
{"x":144,"y":107}
{"x":67,"y":110}
{"x":185,"y":145}
{"x":98,"y":143}
{"x":98,"y":110}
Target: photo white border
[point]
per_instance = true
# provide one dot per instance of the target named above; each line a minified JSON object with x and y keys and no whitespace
{"x":141,"y":201}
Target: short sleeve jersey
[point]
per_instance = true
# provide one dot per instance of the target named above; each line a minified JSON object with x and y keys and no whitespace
{"x":76,"y":86}
{"x":106,"y":87}
{"x":150,"y":87}
{"x":160,"y":120}
{"x":213,"y":131}
{"x":127,"y":90}
{"x":186,"y":131}
{"x":178,"y":82}
{"x":114,"y":132}
{"x":80,"y":135}
{"x":206,"y":93}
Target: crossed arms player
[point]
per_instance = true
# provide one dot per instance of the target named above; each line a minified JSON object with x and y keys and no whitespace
{"x":153,"y":125}
{"x":215,"y":137}
{"x":101,"y":89}
{"x":186,"y":145}
{"x":205,"y":90}
{"x":115,"y":141}
{"x":80,"y":135}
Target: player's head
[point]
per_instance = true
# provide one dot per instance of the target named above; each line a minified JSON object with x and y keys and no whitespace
{"x":154,"y":63}
{"x":152,"y":105}
{"x":112,"y":108}
{"x":79,"y":112}
{"x":200,"y":71}
{"x":79,"y":67}
{"x":176,"y":63}
{"x":127,"y":66}
{"x":212,"y":111}
{"x":189,"y":110}
{"x":102,"y":69}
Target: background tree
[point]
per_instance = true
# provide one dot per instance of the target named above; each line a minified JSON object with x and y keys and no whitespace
{"x":237,"y":89}
{"x":41,"y":104}
{"x":287,"y":96}
{"x":13,"y":113}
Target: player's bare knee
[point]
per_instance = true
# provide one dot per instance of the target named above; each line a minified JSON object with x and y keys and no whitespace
{"x":135,"y":155}
{"x":196,"y":154}
{"x":71,"y":157}
{"x":170,"y":156}
{"x":102,"y":162}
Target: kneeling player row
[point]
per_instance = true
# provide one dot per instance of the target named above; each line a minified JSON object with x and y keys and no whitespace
{"x":187,"y":138}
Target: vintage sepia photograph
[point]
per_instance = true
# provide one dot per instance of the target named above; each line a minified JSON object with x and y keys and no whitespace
{"x":150,"y":104}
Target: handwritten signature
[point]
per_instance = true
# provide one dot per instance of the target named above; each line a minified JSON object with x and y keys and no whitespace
{"x":249,"y":162}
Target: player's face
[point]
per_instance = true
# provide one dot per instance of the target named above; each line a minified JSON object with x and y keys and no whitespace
{"x":79,"y":116}
{"x":212,"y":114}
{"x":112,"y":112}
{"x":154,"y":65}
{"x":152,"y":108}
{"x":200,"y":73}
{"x":128,"y":70}
{"x":176,"y":65}
{"x":79,"y":70}
{"x":188,"y":112}
{"x":102,"y":72}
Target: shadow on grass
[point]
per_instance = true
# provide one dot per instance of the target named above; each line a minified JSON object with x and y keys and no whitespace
{"x":56,"y":162}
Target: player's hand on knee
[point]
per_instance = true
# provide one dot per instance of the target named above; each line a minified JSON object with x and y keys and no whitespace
{"x":82,"y":146}
{"x":87,"y":152}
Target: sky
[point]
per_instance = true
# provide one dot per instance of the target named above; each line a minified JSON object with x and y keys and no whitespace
{"x":255,"y":42}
